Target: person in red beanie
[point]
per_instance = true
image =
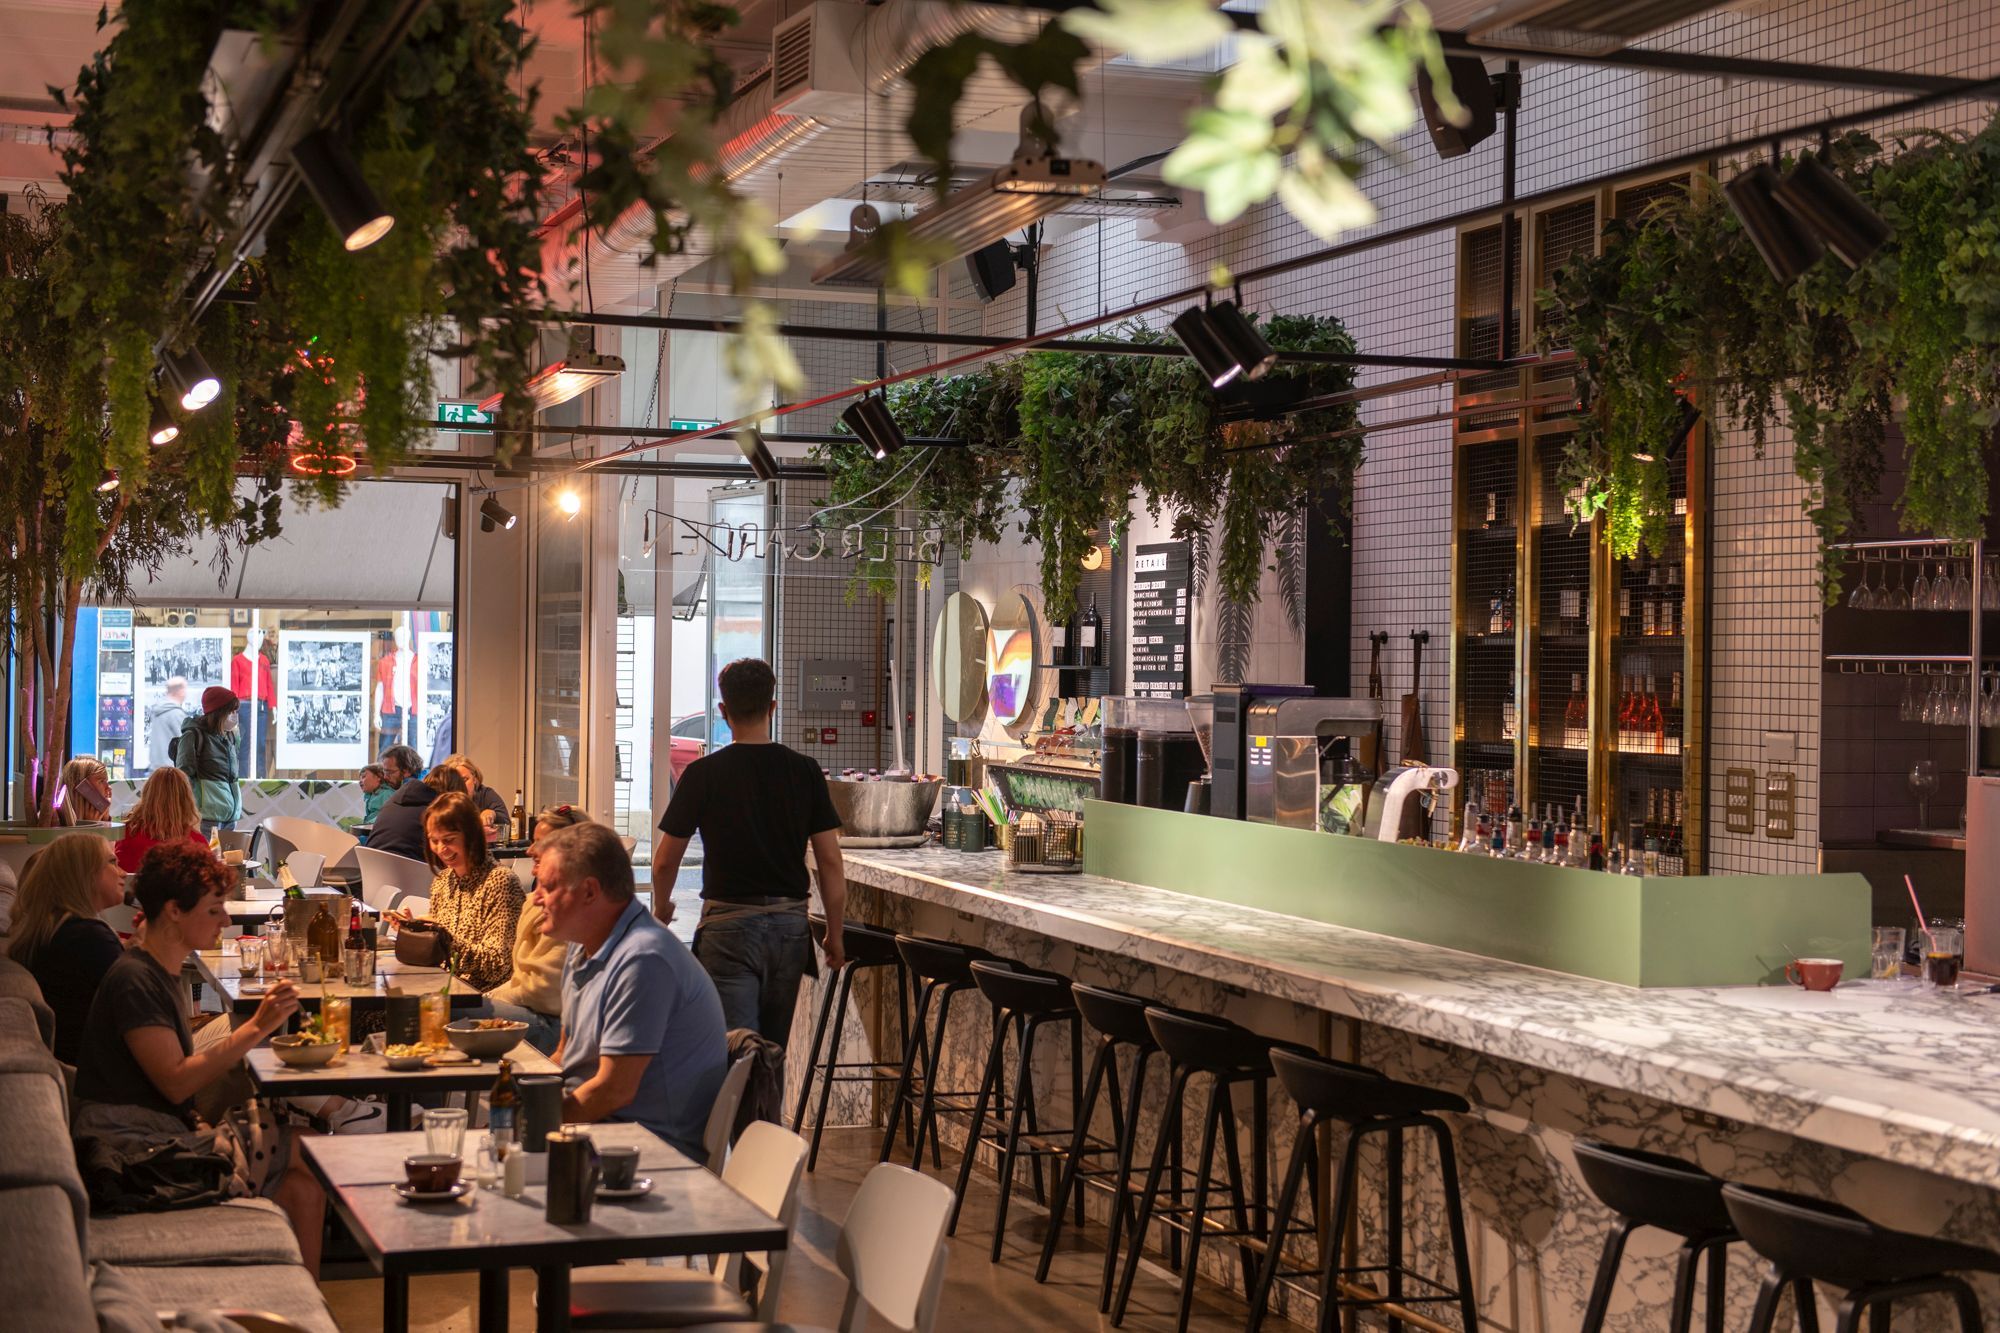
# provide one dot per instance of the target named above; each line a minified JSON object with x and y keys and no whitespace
{"x":206,"y":752}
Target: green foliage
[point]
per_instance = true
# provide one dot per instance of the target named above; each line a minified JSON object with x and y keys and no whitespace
{"x":1681,"y":299}
{"x":1066,"y":443}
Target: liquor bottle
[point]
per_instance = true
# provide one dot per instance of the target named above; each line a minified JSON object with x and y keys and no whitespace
{"x":1531,"y":842}
{"x":1576,"y":715}
{"x":356,"y":944}
{"x":323,"y":936}
{"x":1549,"y":835}
{"x":1559,"y":854}
{"x":1579,"y":836}
{"x":1596,"y":850}
{"x":1650,"y":858}
{"x":502,"y":1105}
{"x":1497,"y":837}
{"x":1087,"y":651}
{"x":1516,"y":844}
{"x":1654,"y":741}
{"x":518,"y":816}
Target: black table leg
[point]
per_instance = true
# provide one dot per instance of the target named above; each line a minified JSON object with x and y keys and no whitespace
{"x":493,"y":1300}
{"x":552,"y":1299}
{"x":398,"y":1112}
{"x":395,"y":1303}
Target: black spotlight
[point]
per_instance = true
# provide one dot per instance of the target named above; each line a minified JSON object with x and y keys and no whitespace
{"x":163,"y":429}
{"x":751,"y":441}
{"x":1823,"y":205}
{"x":1473,"y":87}
{"x":1788,"y":248}
{"x":873,"y":424}
{"x":342,"y":191}
{"x":991,"y":270}
{"x":492,"y":513}
{"x":191,"y":378}
{"x":1198,"y":335}
{"x":1239,"y":337}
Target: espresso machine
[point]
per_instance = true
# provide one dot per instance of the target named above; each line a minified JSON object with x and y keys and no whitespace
{"x":1269,"y":743}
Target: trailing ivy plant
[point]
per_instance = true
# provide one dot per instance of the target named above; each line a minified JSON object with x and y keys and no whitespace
{"x":1066,"y":443}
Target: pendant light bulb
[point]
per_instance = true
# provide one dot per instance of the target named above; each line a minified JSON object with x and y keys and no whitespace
{"x":568,"y":502}
{"x":163,"y":429}
{"x":110,"y":482}
{"x":343,"y":193}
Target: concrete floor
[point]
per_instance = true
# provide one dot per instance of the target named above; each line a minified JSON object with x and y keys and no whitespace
{"x":977,"y":1294}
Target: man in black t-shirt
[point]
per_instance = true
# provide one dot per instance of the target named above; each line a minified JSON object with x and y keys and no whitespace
{"x":757,"y":806}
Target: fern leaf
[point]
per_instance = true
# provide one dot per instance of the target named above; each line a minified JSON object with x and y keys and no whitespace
{"x":1233,"y":621}
{"x":1291,"y":568}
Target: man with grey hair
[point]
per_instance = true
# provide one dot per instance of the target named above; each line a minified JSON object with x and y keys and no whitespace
{"x":164,"y":721}
{"x":643,"y":1037}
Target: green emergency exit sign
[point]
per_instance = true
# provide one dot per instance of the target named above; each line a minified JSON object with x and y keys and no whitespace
{"x":463,"y":414}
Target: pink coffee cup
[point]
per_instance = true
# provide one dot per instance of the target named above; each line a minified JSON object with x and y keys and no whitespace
{"x":1814,"y":973}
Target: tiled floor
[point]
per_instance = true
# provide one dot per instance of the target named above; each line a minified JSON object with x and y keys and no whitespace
{"x":978,"y":1295}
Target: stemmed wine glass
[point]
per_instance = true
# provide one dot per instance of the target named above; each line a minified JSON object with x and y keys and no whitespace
{"x":1863,"y":597}
{"x":1961,"y":591}
{"x":1920,"y":591}
{"x":1923,"y":784}
{"x":1898,"y":600}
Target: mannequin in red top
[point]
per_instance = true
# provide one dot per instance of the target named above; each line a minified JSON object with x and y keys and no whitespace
{"x":250,"y":682}
{"x":396,"y":691}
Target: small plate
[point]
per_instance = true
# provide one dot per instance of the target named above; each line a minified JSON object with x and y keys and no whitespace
{"x":449,"y":1058}
{"x":411,"y":1194}
{"x":641,"y":1187}
{"x":248,"y":988}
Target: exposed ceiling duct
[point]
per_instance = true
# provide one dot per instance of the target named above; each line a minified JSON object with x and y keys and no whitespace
{"x":1588,"y":27}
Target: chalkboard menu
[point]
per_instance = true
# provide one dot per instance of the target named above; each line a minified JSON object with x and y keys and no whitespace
{"x":1160,"y":611}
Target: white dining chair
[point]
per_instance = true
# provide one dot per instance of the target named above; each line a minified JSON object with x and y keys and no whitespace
{"x":309,"y":835}
{"x":722,"y":1113}
{"x":896,"y":1214}
{"x":385,"y":877}
{"x":305,"y":867}
{"x":765,"y":1169}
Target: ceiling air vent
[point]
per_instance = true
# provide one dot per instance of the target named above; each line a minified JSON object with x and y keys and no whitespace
{"x":791,"y":55}
{"x":812,"y":70}
{"x":1586,"y":27}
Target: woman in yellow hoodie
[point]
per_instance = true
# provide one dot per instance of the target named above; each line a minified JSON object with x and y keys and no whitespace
{"x":533,"y":994}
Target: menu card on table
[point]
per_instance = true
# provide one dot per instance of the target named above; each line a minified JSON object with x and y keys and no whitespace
{"x":1161,"y":575}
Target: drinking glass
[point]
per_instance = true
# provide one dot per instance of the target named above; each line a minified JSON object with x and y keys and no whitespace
{"x":250,"y":958}
{"x":277,"y":953}
{"x":1944,"y":955}
{"x":337,"y":1018}
{"x":444,"y":1131}
{"x":1989,"y":700}
{"x":1912,"y":707}
{"x":436,"y":1012}
{"x":1898,"y":600}
{"x":1923,"y":784}
{"x":357,"y":967}
{"x":1920,"y":591}
{"x":1887,"y":955}
{"x":1863,"y":596}
{"x":1989,"y":587}
{"x":1961,"y":591}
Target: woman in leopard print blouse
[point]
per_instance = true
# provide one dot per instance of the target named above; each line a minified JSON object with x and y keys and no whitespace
{"x":475,"y":900}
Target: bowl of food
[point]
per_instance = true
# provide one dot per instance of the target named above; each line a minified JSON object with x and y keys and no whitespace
{"x":305,"y":1050}
{"x":485,"y":1038}
{"x":406,"y":1056}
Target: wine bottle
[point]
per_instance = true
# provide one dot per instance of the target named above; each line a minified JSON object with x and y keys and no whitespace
{"x":323,"y":936}
{"x":1655,"y":739}
{"x":1087,"y":652}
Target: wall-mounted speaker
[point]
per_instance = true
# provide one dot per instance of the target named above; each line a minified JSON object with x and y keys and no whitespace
{"x":991,"y":270}
{"x":1473,"y":87}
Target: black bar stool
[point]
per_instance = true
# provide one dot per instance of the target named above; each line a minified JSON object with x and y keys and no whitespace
{"x":1811,"y":1240}
{"x":1024,"y":1002}
{"x":1646,"y":1189}
{"x":1195,"y":1044}
{"x":941,"y":970}
{"x":1120,"y":1021}
{"x":865,"y":947}
{"x":1367,"y":1102}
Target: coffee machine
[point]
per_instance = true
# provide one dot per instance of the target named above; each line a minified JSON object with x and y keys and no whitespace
{"x":1268,"y":744}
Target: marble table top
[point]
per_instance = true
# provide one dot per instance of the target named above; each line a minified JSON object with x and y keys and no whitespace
{"x":377,"y":1159}
{"x":218,"y":968}
{"x":1885,"y":1069}
{"x":359,"y":1072}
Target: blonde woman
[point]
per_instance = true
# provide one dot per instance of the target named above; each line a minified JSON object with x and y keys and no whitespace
{"x":57,"y":935}
{"x":86,"y":792}
{"x":533,"y":994}
{"x":165,"y":813}
{"x":475,"y":901}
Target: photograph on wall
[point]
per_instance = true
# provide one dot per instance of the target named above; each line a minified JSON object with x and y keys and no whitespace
{"x":436,"y":662}
{"x":322,"y":723}
{"x":174,"y":664}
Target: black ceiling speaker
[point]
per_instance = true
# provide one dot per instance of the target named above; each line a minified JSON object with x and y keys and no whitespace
{"x":991,"y":269}
{"x":1473,"y":87}
{"x":1789,"y":249}
{"x":1822,"y":203}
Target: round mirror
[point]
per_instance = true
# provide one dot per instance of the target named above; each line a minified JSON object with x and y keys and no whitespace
{"x":1011,"y":676}
{"x":958,"y":657}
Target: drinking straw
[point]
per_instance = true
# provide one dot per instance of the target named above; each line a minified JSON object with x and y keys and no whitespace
{"x":1922,"y":925}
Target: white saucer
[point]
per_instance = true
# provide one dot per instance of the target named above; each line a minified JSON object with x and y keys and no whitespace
{"x":411,"y":1194}
{"x":641,"y":1186}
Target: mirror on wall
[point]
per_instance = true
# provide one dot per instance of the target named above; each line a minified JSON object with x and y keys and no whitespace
{"x":958,"y":658}
{"x":1011,"y":677}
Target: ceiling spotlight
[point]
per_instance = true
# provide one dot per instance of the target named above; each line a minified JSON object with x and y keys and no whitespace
{"x":162,"y":429}
{"x":1192,"y":327}
{"x":1789,"y":249}
{"x":757,"y":453}
{"x":1240,"y":338}
{"x":568,"y":502}
{"x":874,"y":425}
{"x":492,"y":512}
{"x":191,"y":378}
{"x":582,"y":369}
{"x":1823,"y":205}
{"x":342,"y":191}
{"x":110,"y":482}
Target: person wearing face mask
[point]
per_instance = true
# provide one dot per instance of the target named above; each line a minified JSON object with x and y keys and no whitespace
{"x":206,"y":752}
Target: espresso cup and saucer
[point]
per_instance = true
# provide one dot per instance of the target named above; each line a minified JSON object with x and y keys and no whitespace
{"x":618,"y":1174}
{"x":432,"y":1178}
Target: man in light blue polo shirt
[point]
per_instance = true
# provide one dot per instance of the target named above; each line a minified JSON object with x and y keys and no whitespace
{"x":643,"y":1037}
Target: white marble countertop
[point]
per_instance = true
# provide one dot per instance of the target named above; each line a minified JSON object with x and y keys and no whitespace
{"x":1887,"y":1070}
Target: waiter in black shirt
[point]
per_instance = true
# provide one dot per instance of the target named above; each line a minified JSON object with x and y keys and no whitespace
{"x":757,"y":806}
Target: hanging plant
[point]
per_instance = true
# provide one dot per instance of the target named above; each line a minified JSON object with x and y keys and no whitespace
{"x":1068,"y":442}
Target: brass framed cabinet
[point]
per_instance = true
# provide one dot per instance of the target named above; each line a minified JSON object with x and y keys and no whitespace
{"x":1576,"y":678}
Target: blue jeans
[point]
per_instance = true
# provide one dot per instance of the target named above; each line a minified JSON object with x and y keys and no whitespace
{"x":544,"y":1030}
{"x":756,"y":963}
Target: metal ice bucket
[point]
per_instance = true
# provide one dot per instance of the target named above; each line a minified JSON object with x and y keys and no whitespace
{"x":883,"y":809}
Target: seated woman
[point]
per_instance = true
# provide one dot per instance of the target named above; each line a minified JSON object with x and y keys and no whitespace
{"x":86,"y":792}
{"x":375,"y":791}
{"x":139,"y":1071}
{"x":492,"y":806}
{"x":399,"y":825}
{"x":165,"y":813}
{"x":57,"y":935}
{"x":475,"y":900}
{"x":533,"y":994}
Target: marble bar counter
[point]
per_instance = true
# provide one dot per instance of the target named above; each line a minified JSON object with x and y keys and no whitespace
{"x":1884,"y":1096}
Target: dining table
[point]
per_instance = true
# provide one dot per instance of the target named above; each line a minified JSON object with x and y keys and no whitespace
{"x":218,"y":968}
{"x":359,"y":1073}
{"x":687,"y":1211}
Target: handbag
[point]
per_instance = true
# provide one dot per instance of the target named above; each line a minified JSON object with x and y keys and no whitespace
{"x":419,"y":945}
{"x":253,"y":1138}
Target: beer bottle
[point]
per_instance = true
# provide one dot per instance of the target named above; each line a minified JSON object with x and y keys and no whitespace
{"x":356,"y":944}
{"x":520,"y":816}
{"x":501,"y":1104}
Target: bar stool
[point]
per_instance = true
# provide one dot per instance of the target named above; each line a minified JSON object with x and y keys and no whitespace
{"x":1195,"y":1044}
{"x":1025,"y":1000}
{"x":1367,"y":1102}
{"x":865,"y":947}
{"x":943,"y":969}
{"x":1647,"y":1189}
{"x":1811,"y":1240}
{"x":1120,"y":1021}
